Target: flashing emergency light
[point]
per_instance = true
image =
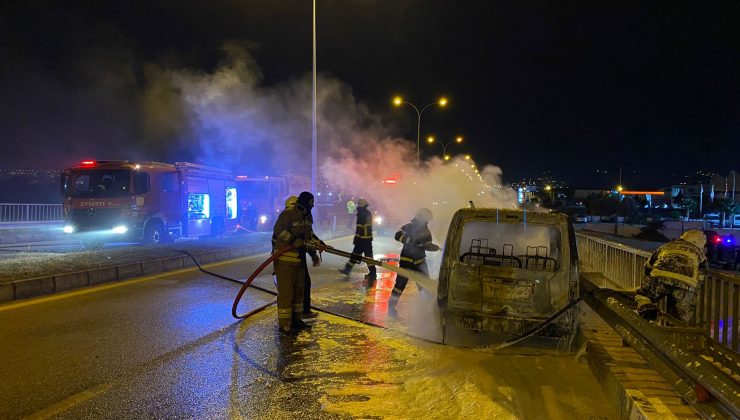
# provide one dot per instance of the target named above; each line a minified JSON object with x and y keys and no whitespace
{"x":88,"y":163}
{"x":263,"y":219}
{"x":242,"y":177}
{"x":730,"y":240}
{"x":717,"y":239}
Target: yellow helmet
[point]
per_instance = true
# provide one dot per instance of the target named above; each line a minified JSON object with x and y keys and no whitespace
{"x":362,"y":203}
{"x":290,"y":202}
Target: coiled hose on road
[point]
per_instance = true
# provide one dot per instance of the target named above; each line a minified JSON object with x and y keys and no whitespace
{"x":248,"y":283}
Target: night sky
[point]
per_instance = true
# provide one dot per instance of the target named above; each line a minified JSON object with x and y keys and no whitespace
{"x":565,"y":87}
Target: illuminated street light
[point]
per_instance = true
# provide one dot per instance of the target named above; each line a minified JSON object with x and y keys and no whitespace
{"x":398,"y":101}
{"x":457,"y":139}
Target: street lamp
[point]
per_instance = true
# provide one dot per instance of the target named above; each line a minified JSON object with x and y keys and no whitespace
{"x":548,"y":188}
{"x":446,"y":157}
{"x":398,"y":101}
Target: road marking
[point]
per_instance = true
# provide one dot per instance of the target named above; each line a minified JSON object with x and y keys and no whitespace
{"x":551,"y":403}
{"x":122,"y":283}
{"x":70,"y":402}
{"x":100,"y":288}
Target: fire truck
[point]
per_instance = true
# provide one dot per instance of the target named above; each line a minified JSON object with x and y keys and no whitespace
{"x":262,"y":198}
{"x":149,"y":202}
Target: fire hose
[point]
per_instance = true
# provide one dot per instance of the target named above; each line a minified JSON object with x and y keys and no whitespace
{"x":355,"y":257}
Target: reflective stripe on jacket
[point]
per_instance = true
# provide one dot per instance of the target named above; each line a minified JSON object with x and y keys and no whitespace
{"x":364,"y":229}
{"x":415,"y":237}
{"x":292,"y":225}
{"x":679,"y":263}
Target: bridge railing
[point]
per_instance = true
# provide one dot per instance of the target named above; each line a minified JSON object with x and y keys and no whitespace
{"x":28,"y":213}
{"x":718,"y":299}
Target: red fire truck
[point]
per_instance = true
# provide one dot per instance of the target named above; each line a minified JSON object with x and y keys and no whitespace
{"x":115,"y":201}
{"x":262,"y":198}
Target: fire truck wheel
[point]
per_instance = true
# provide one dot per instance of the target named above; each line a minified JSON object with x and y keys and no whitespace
{"x":154,"y":233}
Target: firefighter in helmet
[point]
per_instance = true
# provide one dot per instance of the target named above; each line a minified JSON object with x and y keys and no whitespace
{"x":363,"y":241}
{"x":293,"y":227}
{"x":675,"y":270}
{"x":416,"y":239}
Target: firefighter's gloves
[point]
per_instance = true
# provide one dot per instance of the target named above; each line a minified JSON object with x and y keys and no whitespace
{"x":316,"y":260}
{"x":431,"y":247}
{"x":298,"y":243}
{"x":313,"y":245}
{"x":646,"y":308}
{"x":648,"y":312}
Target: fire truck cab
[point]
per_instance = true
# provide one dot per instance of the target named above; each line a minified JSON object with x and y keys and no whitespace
{"x":150,"y":202}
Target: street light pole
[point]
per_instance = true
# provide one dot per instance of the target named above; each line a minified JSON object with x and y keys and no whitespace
{"x":398,"y":101}
{"x":445,"y":157}
{"x":314,"y":154}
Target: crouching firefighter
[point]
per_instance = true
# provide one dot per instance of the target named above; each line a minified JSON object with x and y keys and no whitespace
{"x":293,"y":227}
{"x":363,"y":241}
{"x":416,"y":239}
{"x":675,"y":270}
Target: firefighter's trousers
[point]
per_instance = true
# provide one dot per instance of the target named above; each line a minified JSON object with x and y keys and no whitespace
{"x":362,"y":247}
{"x":400,"y":286}
{"x":681,"y":303}
{"x":290,"y":285}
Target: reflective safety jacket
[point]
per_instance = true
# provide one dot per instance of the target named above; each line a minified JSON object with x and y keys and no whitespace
{"x":364,"y":228}
{"x":678,"y":263}
{"x":293,"y":227}
{"x":416,"y":239}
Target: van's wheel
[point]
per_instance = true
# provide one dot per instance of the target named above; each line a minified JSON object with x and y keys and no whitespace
{"x":154,"y":234}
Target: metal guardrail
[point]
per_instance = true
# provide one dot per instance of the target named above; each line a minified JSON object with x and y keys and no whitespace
{"x":684,"y":356}
{"x":718,"y":298}
{"x":29,"y":213}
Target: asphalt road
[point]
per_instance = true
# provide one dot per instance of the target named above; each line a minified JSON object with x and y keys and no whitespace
{"x":166,"y":346}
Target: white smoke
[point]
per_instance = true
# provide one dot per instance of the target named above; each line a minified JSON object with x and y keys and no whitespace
{"x":242,"y":124}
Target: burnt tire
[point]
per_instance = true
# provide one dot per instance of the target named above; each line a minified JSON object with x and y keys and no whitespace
{"x":154,"y":234}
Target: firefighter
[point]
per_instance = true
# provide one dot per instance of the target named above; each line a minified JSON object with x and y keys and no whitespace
{"x":351,"y":207}
{"x":363,"y":241}
{"x":416,"y":239}
{"x":293,"y":227}
{"x":675,"y":270}
{"x":316,"y":261}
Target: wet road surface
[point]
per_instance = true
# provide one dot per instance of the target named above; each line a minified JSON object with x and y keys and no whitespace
{"x":166,"y":346}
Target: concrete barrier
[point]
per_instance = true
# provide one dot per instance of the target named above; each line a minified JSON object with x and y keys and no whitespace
{"x":29,"y":288}
{"x":69,"y":281}
{"x":102,"y":275}
{"x":33,"y":287}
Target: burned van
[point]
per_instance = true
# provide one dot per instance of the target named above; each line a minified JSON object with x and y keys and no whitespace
{"x":505,"y":271}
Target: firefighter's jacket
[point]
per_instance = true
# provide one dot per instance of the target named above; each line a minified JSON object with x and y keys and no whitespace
{"x":364,"y":229}
{"x":416,"y":239}
{"x":293,"y":227}
{"x":679,"y":264}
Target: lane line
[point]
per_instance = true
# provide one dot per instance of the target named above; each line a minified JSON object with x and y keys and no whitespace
{"x":103,"y":287}
{"x":66,"y":404}
{"x":100,"y":288}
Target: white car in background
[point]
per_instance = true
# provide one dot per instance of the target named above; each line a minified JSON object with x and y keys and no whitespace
{"x":712,"y":220}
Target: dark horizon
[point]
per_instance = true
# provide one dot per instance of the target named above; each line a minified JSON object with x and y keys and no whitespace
{"x":537,"y":87}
